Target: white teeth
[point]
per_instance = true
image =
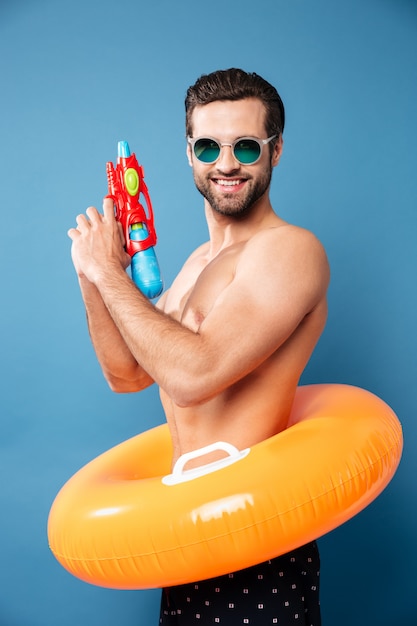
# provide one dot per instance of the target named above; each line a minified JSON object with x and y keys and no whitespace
{"x":228,"y":183}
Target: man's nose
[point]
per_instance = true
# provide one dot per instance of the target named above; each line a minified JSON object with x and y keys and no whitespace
{"x":227,"y":161}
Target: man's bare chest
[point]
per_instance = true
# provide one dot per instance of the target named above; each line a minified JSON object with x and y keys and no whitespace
{"x":199,"y":285}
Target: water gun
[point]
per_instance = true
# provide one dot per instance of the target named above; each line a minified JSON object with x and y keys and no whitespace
{"x":126,"y":185}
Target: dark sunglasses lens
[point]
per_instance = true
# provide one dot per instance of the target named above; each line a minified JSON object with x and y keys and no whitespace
{"x":206,"y":150}
{"x":247,"y":151}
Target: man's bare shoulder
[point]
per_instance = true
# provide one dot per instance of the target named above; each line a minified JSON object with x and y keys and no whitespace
{"x":285,"y":231}
{"x":287,"y":240}
{"x":285,"y":260}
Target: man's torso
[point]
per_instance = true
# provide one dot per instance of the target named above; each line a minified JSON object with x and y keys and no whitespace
{"x":257,"y":406}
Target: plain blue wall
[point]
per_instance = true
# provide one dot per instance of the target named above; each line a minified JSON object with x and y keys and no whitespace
{"x":78,"y":76}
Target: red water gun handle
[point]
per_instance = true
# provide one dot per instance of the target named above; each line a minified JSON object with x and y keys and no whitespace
{"x":126,"y":184}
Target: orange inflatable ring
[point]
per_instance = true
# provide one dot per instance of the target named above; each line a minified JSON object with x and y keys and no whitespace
{"x":123,"y":521}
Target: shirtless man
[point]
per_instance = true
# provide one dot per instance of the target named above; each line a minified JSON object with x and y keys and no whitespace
{"x":228,"y":341}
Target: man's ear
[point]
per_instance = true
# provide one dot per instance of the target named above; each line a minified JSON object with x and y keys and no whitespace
{"x":189,"y":155}
{"x":277,"y":151}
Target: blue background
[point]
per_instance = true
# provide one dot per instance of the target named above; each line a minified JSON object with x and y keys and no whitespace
{"x":78,"y":76}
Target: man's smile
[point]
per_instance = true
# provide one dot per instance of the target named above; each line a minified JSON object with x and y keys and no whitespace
{"x":231,"y":185}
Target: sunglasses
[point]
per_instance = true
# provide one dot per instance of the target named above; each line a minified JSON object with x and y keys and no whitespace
{"x":246,"y":150}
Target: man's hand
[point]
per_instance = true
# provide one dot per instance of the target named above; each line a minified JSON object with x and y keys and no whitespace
{"x":98,"y":243}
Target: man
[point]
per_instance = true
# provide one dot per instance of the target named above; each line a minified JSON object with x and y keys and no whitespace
{"x":228,"y":341}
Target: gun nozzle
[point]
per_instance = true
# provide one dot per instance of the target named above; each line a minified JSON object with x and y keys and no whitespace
{"x":123,"y":149}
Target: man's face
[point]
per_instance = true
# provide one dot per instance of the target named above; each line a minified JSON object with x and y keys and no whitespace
{"x":229,"y":187}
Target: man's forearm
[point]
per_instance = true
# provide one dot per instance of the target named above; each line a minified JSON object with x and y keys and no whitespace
{"x":166,"y":349}
{"x":119,"y":366}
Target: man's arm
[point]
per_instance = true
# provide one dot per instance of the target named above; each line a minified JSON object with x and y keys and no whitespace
{"x":262,"y":309}
{"x":119,"y":367}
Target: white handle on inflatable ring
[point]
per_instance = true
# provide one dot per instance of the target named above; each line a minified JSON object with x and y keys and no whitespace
{"x":179,"y":475}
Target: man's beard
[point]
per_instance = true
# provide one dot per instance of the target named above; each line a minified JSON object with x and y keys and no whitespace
{"x":233,"y":204}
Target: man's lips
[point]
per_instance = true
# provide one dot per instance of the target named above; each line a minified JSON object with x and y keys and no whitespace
{"x":229,"y":185}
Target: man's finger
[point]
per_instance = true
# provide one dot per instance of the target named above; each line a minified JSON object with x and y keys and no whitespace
{"x":73,"y":233}
{"x":108,"y":209}
{"x":93,"y":214}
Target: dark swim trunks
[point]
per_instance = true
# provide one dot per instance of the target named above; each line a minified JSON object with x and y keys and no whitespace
{"x":283,"y":591}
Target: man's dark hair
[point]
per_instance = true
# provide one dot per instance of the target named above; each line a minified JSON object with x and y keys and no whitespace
{"x":236,"y":84}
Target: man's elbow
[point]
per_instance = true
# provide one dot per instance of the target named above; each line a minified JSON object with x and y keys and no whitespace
{"x":192,"y":391}
{"x":125,"y":385}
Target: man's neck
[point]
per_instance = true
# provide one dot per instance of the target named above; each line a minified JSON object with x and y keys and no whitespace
{"x":226,"y":230}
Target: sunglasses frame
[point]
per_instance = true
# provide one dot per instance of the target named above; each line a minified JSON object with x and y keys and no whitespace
{"x":261,"y":143}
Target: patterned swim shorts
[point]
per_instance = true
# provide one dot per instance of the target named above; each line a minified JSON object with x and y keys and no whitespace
{"x":283,"y":591}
